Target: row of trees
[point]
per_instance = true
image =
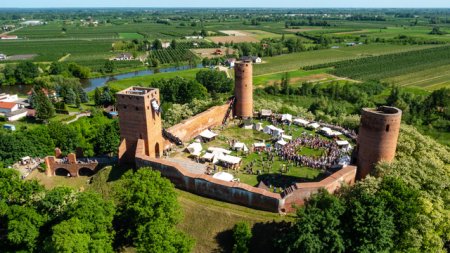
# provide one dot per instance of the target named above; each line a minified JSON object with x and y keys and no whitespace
{"x":27,"y":72}
{"x":143,"y":214}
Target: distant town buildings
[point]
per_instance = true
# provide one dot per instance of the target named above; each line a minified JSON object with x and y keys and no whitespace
{"x":254,"y":59}
{"x":32,"y":22}
{"x":123,"y":57}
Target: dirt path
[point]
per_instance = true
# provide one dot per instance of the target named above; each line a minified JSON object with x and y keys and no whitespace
{"x":64,"y":58}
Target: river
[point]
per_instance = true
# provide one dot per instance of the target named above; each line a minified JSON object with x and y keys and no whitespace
{"x":92,"y":83}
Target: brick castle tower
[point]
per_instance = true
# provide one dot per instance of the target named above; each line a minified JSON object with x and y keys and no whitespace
{"x":243,"y":90}
{"x":377,"y":137}
{"x":139,"y":118}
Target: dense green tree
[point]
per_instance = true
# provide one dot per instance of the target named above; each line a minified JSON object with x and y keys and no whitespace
{"x":214,"y":81}
{"x":44,"y":107}
{"x":25,"y":72}
{"x":148,"y":212}
{"x":318,"y":227}
{"x":97,"y":96}
{"x":157,"y":44}
{"x":242,"y":234}
{"x":57,"y":68}
{"x":70,"y":97}
{"x":109,"y":66}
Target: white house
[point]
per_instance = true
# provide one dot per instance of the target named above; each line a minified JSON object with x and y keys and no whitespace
{"x":165,"y":44}
{"x":4,"y":97}
{"x":2,"y":57}
{"x":254,"y":59}
{"x":230,"y":62}
{"x":124,"y":57}
{"x":8,"y":37}
{"x":12,"y":111}
{"x":32,"y":22}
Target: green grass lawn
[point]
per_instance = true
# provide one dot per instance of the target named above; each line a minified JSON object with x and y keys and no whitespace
{"x":269,"y":173}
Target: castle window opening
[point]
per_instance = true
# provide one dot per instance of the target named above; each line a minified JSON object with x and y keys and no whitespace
{"x":387,"y":128}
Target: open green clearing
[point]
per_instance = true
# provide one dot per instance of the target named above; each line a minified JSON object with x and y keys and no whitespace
{"x":295,"y":61}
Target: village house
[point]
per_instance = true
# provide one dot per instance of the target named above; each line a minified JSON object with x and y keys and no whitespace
{"x":165,"y":45}
{"x":2,"y":57}
{"x":193,"y":37}
{"x":12,"y":111}
{"x":230,"y":62}
{"x":123,"y":57}
{"x":254,"y":59}
{"x":8,"y":37}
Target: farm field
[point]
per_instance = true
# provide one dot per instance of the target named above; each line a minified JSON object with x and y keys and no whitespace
{"x":130,"y":36}
{"x":297,"y":60}
{"x":406,"y":63}
{"x":209,"y":52}
{"x":48,"y":50}
{"x":234,"y":39}
{"x":296,"y":76}
{"x":430,"y":79}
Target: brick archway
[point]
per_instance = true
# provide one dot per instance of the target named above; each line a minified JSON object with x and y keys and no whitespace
{"x":70,"y":164}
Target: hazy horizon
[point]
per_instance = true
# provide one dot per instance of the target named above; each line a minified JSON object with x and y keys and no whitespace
{"x":228,"y":4}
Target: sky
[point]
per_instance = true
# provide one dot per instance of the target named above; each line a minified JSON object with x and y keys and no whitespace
{"x":228,"y":3}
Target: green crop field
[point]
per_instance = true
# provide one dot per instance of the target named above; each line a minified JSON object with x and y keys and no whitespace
{"x":295,"y":76}
{"x":297,"y":60}
{"x":52,"y":50}
{"x":430,"y":79}
{"x":130,"y":36}
{"x":401,"y":65}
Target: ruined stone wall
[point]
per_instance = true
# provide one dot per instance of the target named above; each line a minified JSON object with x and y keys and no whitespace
{"x":302,"y":191}
{"x":192,"y":127}
{"x":239,"y":193}
{"x":72,"y":166}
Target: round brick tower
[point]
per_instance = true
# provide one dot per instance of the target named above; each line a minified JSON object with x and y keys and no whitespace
{"x":243,"y":90}
{"x":377,"y":138}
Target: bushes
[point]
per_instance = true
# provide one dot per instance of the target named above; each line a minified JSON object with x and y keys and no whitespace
{"x":242,"y":235}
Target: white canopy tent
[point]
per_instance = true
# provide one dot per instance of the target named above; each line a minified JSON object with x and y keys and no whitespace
{"x":229,"y":159}
{"x":314,"y":125}
{"x":286,"y":117}
{"x":224,"y":176}
{"x":208,"y":134}
{"x":342,"y":143}
{"x":266,"y":113}
{"x":195,"y":148}
{"x":301,"y":122}
{"x":286,"y":137}
{"x":219,"y":150}
{"x":240,"y":146}
{"x":258,"y":126}
{"x":281,"y":143}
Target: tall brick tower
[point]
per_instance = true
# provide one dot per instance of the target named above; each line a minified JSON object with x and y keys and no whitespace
{"x":243,"y":90}
{"x":139,"y":118}
{"x":377,"y":138}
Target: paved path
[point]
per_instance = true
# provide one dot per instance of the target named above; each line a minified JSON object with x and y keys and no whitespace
{"x":87,"y":114}
{"x":193,"y":167}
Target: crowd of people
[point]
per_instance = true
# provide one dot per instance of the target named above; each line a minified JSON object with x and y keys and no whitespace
{"x":291,"y":152}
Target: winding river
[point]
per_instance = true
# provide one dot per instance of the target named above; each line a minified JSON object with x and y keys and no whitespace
{"x":92,"y":83}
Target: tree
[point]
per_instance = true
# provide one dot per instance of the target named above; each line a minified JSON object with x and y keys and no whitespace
{"x":25,"y":72}
{"x":173,"y":44}
{"x":109,"y":66}
{"x":318,"y":226}
{"x":57,"y":68}
{"x":157,"y":44}
{"x":70,"y":96}
{"x":214,"y":81}
{"x":44,"y":107}
{"x":242,"y":235}
{"x":97,"y":96}
{"x":148,"y":212}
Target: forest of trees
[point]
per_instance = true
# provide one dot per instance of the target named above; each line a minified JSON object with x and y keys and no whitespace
{"x":142,"y":214}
